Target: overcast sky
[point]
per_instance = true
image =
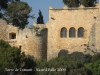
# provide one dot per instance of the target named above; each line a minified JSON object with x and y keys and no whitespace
{"x":43,"y":5}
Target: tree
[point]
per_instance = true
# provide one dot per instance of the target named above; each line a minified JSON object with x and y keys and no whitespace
{"x":40,"y":18}
{"x":12,"y":58}
{"x":88,"y":3}
{"x":62,"y":66}
{"x":4,"y":4}
{"x":17,"y":13}
{"x":76,"y":3}
{"x":71,"y":3}
{"x":94,"y":67}
{"x":95,"y":57}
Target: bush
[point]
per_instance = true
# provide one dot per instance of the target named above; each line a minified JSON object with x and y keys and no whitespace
{"x":94,"y":67}
{"x":12,"y":58}
{"x":96,"y":57}
{"x":62,"y":66}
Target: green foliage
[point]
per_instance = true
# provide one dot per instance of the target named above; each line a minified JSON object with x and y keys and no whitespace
{"x":11,"y":58}
{"x":88,"y":3}
{"x":71,"y":3}
{"x":4,"y":4}
{"x":96,"y":57}
{"x":41,"y":64}
{"x":94,"y":67}
{"x":76,"y":3}
{"x":62,"y":66}
{"x":7,"y":56}
{"x":17,"y":13}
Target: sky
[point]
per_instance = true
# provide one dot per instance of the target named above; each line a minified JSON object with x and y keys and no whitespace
{"x":43,"y":5}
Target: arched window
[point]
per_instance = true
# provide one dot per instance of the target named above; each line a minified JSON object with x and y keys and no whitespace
{"x":72,"y":32}
{"x":81,"y":32}
{"x":63,"y":32}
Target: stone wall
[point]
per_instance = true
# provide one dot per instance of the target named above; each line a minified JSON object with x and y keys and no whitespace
{"x":44,"y":41}
{"x":30,"y":41}
{"x":33,"y":41}
{"x":69,"y":17}
{"x":3,"y":30}
{"x":97,"y":33}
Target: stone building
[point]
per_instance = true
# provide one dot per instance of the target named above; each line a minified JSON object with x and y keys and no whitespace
{"x":69,"y":29}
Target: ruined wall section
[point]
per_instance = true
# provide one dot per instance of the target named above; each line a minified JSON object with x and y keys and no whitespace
{"x":69,"y":17}
{"x":3,"y":29}
{"x":43,"y":32}
{"x":10,"y":31}
{"x":31,"y":42}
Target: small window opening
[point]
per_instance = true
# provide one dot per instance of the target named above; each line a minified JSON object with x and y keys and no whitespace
{"x":12,"y":35}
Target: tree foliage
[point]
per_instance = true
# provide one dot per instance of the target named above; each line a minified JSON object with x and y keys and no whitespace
{"x":63,"y":66}
{"x":12,"y":58}
{"x":40,"y":18}
{"x":95,"y":57}
{"x":94,"y":67}
{"x":76,"y":3}
{"x":17,"y":13}
{"x":88,"y":3}
{"x":4,"y":4}
{"x":71,"y":3}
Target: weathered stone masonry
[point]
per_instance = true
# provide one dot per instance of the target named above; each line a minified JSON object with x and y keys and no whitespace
{"x":61,"y":32}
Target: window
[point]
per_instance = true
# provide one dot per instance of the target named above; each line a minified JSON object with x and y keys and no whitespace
{"x":12,"y":35}
{"x":63,"y":33}
{"x":81,"y":32}
{"x":72,"y":32}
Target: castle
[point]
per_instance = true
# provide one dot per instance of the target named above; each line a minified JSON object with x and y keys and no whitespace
{"x":71,"y":29}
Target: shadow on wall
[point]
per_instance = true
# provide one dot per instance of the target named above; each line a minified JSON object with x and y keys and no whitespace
{"x":29,"y":56}
{"x":44,"y":34}
{"x":63,"y":53}
{"x":85,"y":58}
